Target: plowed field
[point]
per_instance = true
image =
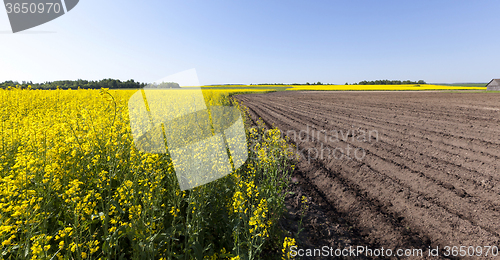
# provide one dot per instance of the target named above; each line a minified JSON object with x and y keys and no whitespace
{"x":423,"y":167}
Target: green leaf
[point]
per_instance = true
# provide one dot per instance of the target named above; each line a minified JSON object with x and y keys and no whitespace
{"x":117,"y":206}
{"x":198,"y":250}
{"x":27,"y":250}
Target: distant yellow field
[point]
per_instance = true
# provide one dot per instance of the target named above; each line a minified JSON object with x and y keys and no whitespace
{"x":265,"y":88}
{"x":381,"y":87}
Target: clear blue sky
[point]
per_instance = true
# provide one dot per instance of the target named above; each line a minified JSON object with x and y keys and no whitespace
{"x":260,"y":41}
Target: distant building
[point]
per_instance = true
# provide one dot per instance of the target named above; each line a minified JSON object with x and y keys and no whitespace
{"x":493,"y":85}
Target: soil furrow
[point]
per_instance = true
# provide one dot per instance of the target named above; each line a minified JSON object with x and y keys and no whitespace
{"x":428,"y":180}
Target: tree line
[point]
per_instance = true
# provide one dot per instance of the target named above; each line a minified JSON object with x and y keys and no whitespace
{"x":117,"y":84}
{"x":364,"y":82}
{"x":75,"y":84}
{"x":389,"y":82}
{"x":294,"y":84}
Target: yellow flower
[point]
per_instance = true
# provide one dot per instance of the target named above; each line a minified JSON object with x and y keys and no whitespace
{"x":73,"y":247}
{"x":287,"y":243}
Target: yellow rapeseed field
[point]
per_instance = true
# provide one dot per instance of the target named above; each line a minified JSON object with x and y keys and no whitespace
{"x":382,"y":87}
{"x":74,"y":186}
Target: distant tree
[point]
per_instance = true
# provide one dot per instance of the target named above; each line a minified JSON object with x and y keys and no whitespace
{"x":164,"y":85}
{"x":84,"y":84}
{"x":389,"y":82}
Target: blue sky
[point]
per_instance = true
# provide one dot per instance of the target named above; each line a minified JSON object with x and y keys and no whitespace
{"x":260,"y":41}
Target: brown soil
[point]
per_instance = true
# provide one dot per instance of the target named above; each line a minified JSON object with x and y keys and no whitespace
{"x":430,"y":179}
